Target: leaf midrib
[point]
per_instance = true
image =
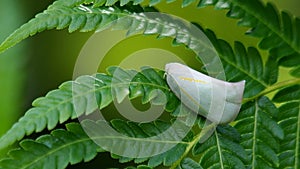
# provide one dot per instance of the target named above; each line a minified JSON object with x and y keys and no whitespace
{"x":219,"y":150}
{"x":254,"y":138}
{"x":297,"y":139}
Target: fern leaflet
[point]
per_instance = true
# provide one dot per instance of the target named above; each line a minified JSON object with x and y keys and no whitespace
{"x":60,"y":16}
{"x":222,"y":150}
{"x":260,"y":137}
{"x":289,"y":120}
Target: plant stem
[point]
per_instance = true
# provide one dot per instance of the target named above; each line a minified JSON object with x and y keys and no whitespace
{"x":193,"y":142}
{"x":273,"y":88}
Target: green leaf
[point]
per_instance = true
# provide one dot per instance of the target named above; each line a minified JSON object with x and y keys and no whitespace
{"x":220,"y":151}
{"x":84,"y":96}
{"x":188,"y":163}
{"x":271,"y":71}
{"x":187,"y":2}
{"x":139,"y":167}
{"x":289,"y":120}
{"x":56,"y":150}
{"x":288,"y":94}
{"x":290,"y":61}
{"x":260,"y":133}
{"x":295,"y":72}
{"x":168,"y":158}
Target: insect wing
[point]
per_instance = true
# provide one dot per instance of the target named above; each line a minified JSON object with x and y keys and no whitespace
{"x":217,"y":100}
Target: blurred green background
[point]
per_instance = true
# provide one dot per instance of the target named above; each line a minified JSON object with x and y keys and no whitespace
{"x":42,"y":62}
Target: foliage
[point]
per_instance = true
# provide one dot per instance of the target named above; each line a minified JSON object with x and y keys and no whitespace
{"x":266,"y":134}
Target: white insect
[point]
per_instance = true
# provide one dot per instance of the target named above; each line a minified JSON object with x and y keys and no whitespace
{"x":218,"y":101}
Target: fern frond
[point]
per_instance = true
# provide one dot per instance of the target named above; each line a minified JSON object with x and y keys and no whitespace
{"x":89,"y":93}
{"x":260,"y":133}
{"x":56,"y":150}
{"x":221,"y":150}
{"x":279,"y":32}
{"x":71,"y":146}
{"x":62,"y":14}
{"x":137,"y":134}
{"x":289,"y":120}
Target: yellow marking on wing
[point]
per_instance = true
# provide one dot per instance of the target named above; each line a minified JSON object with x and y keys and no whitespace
{"x":192,"y":80}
